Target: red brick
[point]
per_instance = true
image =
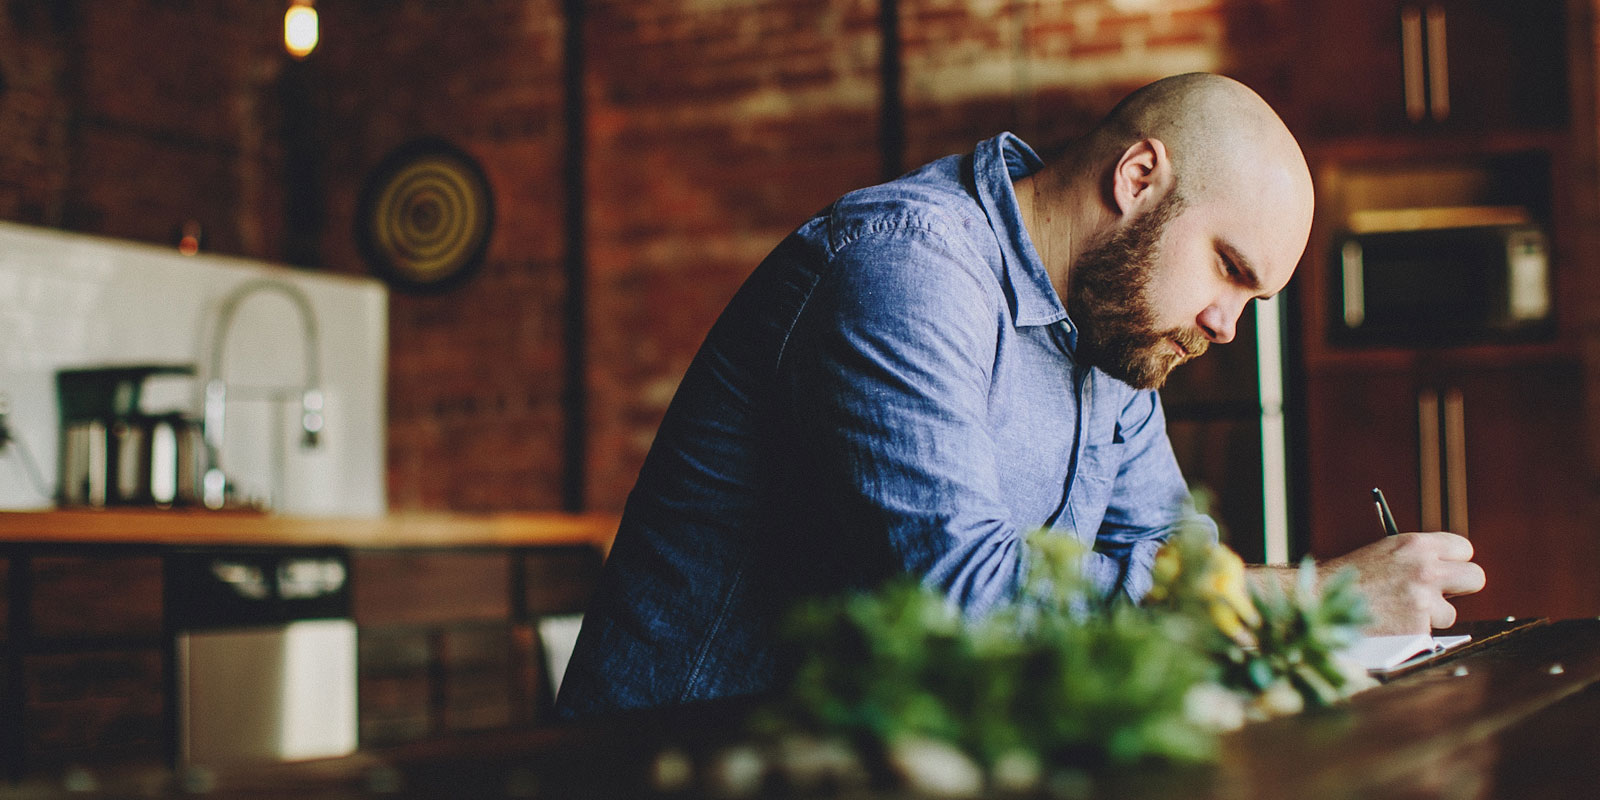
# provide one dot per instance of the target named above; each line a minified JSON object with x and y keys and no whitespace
{"x":711,"y":131}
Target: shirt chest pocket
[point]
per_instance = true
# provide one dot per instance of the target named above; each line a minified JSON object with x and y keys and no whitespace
{"x":1098,"y":465}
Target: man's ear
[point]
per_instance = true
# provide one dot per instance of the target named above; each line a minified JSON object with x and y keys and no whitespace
{"x":1142,"y":176}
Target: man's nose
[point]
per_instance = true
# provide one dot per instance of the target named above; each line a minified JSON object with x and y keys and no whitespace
{"x":1218,"y":324}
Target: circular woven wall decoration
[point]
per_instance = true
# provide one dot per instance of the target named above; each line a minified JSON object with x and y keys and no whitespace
{"x":425,"y":216}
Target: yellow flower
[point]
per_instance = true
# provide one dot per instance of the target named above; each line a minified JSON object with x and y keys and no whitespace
{"x":1189,"y":570}
{"x":1228,"y":596}
{"x":1164,"y":573}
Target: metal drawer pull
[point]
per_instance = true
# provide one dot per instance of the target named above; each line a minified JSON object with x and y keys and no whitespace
{"x":1438,"y":65}
{"x":1428,"y":460}
{"x":1455,"y":454}
{"x":1411,"y":56}
{"x":1353,"y":279}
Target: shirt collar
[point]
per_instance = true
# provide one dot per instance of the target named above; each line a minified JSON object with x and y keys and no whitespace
{"x":995,"y":164}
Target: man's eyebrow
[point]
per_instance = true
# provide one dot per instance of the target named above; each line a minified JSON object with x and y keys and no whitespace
{"x":1248,"y":276}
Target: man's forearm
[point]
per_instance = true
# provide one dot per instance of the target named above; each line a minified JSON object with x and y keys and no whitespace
{"x":1407,"y":579}
{"x":1263,"y":577}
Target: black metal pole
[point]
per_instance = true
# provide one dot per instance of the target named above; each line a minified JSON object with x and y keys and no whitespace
{"x":575,"y":386}
{"x":892,"y":118}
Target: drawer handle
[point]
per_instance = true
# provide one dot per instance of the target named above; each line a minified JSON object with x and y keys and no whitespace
{"x":1428,"y":460}
{"x":1455,"y":459}
{"x":1411,"y":56}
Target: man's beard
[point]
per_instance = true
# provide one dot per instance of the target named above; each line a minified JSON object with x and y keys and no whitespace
{"x":1108,"y":300}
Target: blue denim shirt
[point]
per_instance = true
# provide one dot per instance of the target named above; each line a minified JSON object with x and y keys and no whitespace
{"x":891,"y":391}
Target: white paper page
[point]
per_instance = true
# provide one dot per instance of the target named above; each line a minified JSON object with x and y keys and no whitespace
{"x":1384,"y":653}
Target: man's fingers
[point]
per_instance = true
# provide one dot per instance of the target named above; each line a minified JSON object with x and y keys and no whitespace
{"x":1441,"y":614}
{"x":1462,"y":578}
{"x":1450,"y":546}
{"x":1408,"y":579}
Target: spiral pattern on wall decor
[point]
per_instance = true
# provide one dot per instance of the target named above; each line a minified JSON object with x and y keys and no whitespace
{"x":425,"y":216}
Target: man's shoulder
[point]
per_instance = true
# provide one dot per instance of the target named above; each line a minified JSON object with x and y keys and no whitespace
{"x":933,"y":200}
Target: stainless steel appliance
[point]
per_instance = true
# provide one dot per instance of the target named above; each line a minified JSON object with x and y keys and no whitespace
{"x":1410,"y":283}
{"x":265,"y":654}
{"x":113,"y":452}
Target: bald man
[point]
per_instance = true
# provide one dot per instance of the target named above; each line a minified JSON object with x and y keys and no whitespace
{"x":931,"y":368}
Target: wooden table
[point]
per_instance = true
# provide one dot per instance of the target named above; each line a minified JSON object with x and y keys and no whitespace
{"x":1516,"y":714}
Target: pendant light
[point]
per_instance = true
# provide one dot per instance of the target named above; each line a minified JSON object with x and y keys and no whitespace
{"x":300,"y":28}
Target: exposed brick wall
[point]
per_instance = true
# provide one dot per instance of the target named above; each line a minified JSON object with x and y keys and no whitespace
{"x":718,"y":127}
{"x":713,"y":128}
{"x":1048,"y":70}
{"x":128,"y":117}
{"x":475,"y":375}
{"x":32,"y":116}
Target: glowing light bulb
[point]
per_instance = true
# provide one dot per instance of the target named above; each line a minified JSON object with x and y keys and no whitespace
{"x":300,"y":28}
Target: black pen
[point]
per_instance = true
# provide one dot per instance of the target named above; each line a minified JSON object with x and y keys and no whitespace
{"x":1384,"y":514}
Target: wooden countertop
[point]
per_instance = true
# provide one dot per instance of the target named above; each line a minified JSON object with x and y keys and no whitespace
{"x":1515,"y":717}
{"x":189,"y":527}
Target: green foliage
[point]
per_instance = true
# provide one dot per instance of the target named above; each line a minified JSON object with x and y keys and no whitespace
{"x":1068,"y":675}
{"x":1036,"y":677}
{"x":1300,"y":635}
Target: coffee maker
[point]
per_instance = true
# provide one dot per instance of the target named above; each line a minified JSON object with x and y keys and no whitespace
{"x":113,"y":453}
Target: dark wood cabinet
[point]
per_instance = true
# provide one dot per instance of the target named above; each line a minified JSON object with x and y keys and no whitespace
{"x":449,"y":640}
{"x":1376,"y":67}
{"x":78,"y":597}
{"x":91,"y":659}
{"x":1521,"y":489}
{"x":99,"y":706}
{"x":423,"y":587}
{"x":1470,"y":105}
{"x":1362,"y":427}
{"x":1491,"y":452}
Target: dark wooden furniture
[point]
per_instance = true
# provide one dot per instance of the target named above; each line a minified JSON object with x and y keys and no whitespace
{"x":1515,"y":714}
{"x":449,"y":639}
{"x":1493,"y":439}
{"x":447,"y":609}
{"x":1408,"y":66}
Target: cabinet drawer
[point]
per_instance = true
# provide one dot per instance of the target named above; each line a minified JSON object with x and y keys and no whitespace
{"x":98,"y":706}
{"x":423,"y":588}
{"x":559,"y":580}
{"x":395,"y":708}
{"x":92,"y":596}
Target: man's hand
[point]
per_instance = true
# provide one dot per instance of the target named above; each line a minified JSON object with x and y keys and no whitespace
{"x":1407,"y":579}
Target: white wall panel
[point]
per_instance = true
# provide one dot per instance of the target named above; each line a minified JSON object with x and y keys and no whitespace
{"x":69,"y":301}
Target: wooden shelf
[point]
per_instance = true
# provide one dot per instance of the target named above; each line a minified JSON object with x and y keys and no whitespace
{"x":180,"y":527}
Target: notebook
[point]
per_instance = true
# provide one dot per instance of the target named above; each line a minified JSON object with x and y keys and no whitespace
{"x":1388,"y":653}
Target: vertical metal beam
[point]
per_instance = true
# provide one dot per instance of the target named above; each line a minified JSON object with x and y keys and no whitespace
{"x":575,"y":395}
{"x":305,"y":207}
{"x":892,"y":116}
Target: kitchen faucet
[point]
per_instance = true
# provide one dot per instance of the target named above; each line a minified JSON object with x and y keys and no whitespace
{"x":214,"y":486}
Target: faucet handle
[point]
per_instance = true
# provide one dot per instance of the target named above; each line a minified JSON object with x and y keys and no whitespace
{"x":214,"y":489}
{"x":311,"y":418}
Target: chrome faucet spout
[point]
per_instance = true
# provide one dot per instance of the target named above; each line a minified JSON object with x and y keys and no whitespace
{"x":216,"y":387}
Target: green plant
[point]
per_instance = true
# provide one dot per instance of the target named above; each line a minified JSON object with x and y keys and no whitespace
{"x":1068,"y":676}
{"x":1044,"y":676}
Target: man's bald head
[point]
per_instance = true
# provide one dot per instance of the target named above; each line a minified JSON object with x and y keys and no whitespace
{"x":1219,"y":135}
{"x":1190,"y":200}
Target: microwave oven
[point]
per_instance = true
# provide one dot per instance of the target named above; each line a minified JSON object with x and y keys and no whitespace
{"x":1442,"y":286}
